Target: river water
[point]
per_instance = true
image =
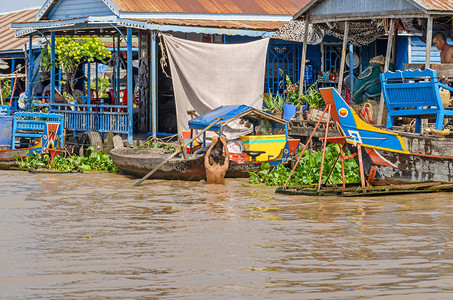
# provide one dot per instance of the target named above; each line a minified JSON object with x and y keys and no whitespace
{"x":72,"y":236}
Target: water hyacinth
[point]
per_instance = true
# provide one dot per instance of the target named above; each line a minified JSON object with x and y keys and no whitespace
{"x":308,"y":170}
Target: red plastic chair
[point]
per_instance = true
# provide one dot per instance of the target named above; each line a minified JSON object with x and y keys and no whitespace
{"x":46,"y":98}
{"x":123,"y":98}
{"x":94,"y":97}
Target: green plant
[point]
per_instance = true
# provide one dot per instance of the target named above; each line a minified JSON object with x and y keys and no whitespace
{"x":273,"y":104}
{"x":103,"y":85}
{"x":96,"y":161}
{"x":156,"y":144}
{"x":5,"y":88}
{"x":45,"y":60}
{"x":292,"y":91}
{"x":72,"y":50}
{"x":312,"y":97}
{"x":308,"y":170}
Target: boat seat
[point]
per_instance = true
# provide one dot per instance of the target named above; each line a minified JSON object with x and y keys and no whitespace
{"x":254,"y":154}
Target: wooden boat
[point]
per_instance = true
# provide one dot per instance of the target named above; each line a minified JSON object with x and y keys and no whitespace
{"x":358,"y":191}
{"x":389,"y":154}
{"x":138,"y":162}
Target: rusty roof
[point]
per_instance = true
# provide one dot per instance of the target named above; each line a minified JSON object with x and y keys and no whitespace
{"x":247,"y":25}
{"x":243,"y":7}
{"x":436,"y":5}
{"x":8,"y":41}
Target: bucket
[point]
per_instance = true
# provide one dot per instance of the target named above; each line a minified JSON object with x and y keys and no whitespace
{"x":6,"y":126}
{"x":289,"y":111}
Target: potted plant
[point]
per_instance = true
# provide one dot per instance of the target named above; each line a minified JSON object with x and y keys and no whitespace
{"x":313,"y":100}
{"x":273,"y":104}
{"x":292,"y":99}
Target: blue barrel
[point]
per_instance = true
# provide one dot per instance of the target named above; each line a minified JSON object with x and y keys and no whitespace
{"x":6,"y":127}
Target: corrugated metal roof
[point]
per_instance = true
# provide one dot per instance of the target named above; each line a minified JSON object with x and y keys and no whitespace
{"x":8,"y":41}
{"x":248,"y":25}
{"x":246,"y":7}
{"x":436,"y":5}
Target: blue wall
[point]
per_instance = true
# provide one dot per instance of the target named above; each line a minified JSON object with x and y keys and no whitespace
{"x":68,"y":9}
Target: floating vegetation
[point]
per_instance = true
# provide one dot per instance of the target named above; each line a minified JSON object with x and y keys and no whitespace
{"x":308,"y":170}
{"x":96,"y":161}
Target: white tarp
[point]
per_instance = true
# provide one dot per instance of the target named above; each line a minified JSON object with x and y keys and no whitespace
{"x":206,"y":76}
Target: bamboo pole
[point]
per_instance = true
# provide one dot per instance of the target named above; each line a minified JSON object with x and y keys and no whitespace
{"x":343,"y":56}
{"x":304,"y":58}
{"x":386,"y":67}
{"x":429,"y":38}
{"x":176,"y":152}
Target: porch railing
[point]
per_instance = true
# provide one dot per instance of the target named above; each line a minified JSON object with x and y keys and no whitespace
{"x":89,"y":117}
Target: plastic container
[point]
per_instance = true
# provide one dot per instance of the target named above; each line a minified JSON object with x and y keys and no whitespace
{"x":6,"y":126}
{"x":272,"y":144}
{"x":289,"y":111}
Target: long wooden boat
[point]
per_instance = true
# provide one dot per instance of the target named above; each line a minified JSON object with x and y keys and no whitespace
{"x":389,"y":154}
{"x":138,"y":162}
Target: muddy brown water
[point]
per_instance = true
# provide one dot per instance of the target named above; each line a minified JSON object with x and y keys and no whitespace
{"x":79,"y":236}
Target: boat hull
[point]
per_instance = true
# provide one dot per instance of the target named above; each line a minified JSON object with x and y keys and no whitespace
{"x":138,"y":162}
{"x":412,"y":167}
{"x":7,"y":160}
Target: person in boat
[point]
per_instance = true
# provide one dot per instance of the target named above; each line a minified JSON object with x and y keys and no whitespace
{"x":446,"y":50}
{"x":215,"y":170}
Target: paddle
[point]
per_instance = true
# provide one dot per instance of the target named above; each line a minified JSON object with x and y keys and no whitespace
{"x":176,"y":152}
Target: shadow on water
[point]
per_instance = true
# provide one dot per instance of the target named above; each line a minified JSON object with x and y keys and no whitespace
{"x":96,"y":236}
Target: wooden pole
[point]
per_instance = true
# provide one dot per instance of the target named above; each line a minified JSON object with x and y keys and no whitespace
{"x":176,"y":152}
{"x":304,"y":58}
{"x":343,"y":56}
{"x":386,"y":67}
{"x":306,"y":145}
{"x":429,"y":38}
{"x":324,"y":150}
{"x":181,"y":144}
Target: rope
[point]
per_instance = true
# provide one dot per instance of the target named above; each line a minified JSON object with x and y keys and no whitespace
{"x":163,"y":59}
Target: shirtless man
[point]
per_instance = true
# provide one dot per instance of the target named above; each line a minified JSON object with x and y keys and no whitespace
{"x":215,"y":171}
{"x":446,"y":50}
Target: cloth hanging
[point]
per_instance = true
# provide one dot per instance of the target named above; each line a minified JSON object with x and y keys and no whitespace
{"x":206,"y":76}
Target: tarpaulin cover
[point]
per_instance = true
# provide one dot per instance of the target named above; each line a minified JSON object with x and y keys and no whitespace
{"x":206,"y":76}
{"x":226,"y":112}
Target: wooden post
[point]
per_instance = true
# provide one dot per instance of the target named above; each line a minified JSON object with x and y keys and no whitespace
{"x":386,"y":67}
{"x":143,"y":81}
{"x":429,"y":38}
{"x":130,"y":87}
{"x":303,"y":59}
{"x":395,"y":47}
{"x":343,"y":56}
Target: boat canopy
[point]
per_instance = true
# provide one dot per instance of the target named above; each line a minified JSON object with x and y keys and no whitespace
{"x":230,"y":113}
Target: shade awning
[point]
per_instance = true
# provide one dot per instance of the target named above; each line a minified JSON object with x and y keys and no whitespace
{"x":230,"y":113}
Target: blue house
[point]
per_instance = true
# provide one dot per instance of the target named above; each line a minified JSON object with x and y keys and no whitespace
{"x":127,"y":21}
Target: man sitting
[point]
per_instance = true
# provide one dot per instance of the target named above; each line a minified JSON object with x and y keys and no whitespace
{"x":215,"y":171}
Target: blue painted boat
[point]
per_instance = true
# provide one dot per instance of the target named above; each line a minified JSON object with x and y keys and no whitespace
{"x":392,"y":155}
